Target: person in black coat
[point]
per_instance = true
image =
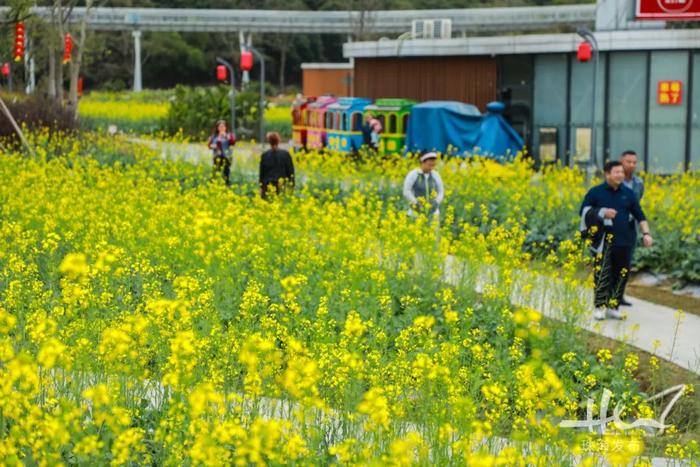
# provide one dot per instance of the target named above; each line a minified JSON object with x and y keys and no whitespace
{"x":276,"y":168}
{"x":609,"y":210}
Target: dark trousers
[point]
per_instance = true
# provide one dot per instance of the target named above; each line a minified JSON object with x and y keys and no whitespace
{"x":612,"y":268}
{"x":633,"y":247}
{"x":222,"y":166}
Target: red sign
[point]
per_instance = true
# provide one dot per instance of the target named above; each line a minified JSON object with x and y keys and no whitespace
{"x":668,"y":9}
{"x":669,"y":92}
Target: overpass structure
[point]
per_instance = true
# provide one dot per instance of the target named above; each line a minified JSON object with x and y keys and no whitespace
{"x":465,"y":21}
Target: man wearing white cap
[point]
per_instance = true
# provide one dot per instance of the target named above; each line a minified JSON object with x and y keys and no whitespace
{"x":423,"y":188}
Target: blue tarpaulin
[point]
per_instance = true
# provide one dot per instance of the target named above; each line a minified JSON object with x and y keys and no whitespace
{"x":460,"y":129}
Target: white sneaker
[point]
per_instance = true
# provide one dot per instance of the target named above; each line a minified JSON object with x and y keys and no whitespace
{"x":599,"y":314}
{"x":614,"y":313}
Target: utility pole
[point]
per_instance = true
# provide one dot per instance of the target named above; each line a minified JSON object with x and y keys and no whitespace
{"x":588,"y":36}
{"x":232,"y":93}
{"x":261,"y":108}
{"x":138,"y":85}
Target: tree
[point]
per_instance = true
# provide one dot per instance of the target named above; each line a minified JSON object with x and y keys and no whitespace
{"x":49,"y":42}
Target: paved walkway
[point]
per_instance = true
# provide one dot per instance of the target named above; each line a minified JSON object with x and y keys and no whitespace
{"x":672,"y":335}
{"x":668,"y":333}
{"x":654,"y":328}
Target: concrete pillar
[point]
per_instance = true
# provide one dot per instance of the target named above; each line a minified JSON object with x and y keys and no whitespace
{"x":137,"y":60}
{"x":32,"y":76}
{"x":27,"y":64}
{"x":351,"y":76}
{"x":245,"y":76}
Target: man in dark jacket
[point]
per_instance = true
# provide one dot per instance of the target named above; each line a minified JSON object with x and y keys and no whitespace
{"x":617,"y":207}
{"x":635,"y":183}
{"x":276,"y":168}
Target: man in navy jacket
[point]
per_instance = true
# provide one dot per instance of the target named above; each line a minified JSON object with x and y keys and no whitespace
{"x":617,"y":207}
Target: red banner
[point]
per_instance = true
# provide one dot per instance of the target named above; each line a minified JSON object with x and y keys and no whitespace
{"x":668,"y":9}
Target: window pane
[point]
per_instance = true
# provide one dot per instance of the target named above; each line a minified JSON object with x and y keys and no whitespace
{"x":381,"y":120}
{"x":582,"y":148}
{"x":548,"y":144}
{"x":627,"y":95}
{"x":695,"y":116}
{"x":582,"y":103}
{"x":356,"y":121}
{"x":550,"y":97}
{"x":667,"y":122}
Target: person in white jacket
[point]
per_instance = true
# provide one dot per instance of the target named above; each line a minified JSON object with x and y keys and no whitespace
{"x":423,"y":188}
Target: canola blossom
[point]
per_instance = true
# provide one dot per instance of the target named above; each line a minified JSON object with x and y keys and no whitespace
{"x":149,"y":315}
{"x":140,"y":115}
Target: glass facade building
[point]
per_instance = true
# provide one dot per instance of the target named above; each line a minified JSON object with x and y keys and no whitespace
{"x":551,"y":95}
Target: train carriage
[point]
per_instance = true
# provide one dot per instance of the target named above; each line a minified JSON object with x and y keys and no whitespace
{"x":455,"y":128}
{"x":344,"y":124}
{"x":299,"y":121}
{"x":316,"y":122}
{"x":394,"y":115}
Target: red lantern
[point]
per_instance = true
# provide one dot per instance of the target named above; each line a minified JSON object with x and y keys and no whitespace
{"x":221,"y":73}
{"x":246,"y":60}
{"x":68,"y":48}
{"x":19,"y":41}
{"x":5,"y":69}
{"x":584,"y":52}
{"x":80,"y":87}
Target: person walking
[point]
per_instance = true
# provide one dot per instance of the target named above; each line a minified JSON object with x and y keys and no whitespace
{"x":606,"y":211}
{"x":371,"y":133}
{"x":221,"y":144}
{"x":632,"y":181}
{"x":423,"y":188}
{"x":636,"y":184}
{"x":276,"y":168}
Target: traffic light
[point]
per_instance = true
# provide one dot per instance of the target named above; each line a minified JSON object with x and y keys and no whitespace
{"x":19,"y":41}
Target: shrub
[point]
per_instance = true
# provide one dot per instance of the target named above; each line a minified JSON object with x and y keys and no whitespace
{"x":195,"y":110}
{"x":35,"y":112}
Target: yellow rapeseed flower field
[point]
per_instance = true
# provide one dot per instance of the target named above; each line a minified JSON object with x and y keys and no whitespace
{"x":134,"y":112}
{"x":150,"y":315}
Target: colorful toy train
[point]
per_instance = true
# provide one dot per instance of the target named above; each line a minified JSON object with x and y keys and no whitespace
{"x":449,"y":127}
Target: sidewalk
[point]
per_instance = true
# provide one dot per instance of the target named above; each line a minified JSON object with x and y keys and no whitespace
{"x":648,"y":324}
{"x":660,"y":330}
{"x":668,"y":333}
